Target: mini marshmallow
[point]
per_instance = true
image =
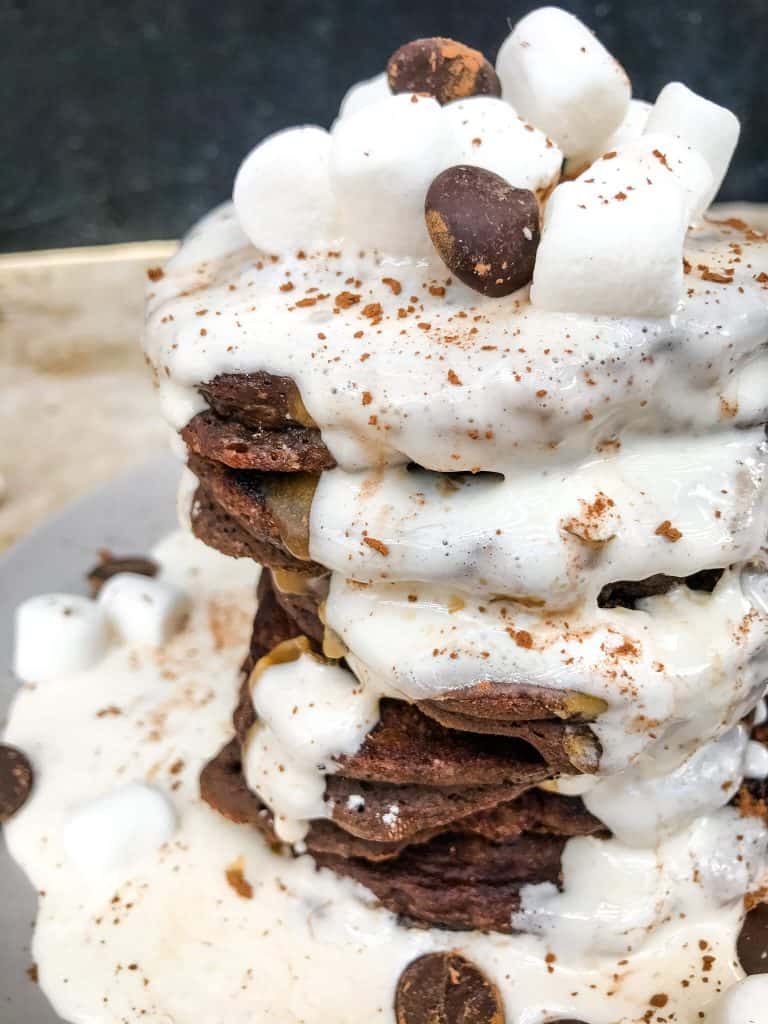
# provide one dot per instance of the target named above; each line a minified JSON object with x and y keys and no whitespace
{"x":119,"y":828}
{"x":621,"y":256}
{"x":488,"y":133}
{"x":653,"y":158}
{"x":745,"y":1003}
{"x":363,"y":94}
{"x":706,"y":127}
{"x":282,"y":192}
{"x":383,"y":160}
{"x":631,"y":127}
{"x":56,"y":635}
{"x":559,"y":77}
{"x":756,"y":761}
{"x":143,"y":610}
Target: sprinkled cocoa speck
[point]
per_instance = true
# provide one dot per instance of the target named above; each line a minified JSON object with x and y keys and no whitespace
{"x":454,"y":378}
{"x":287,"y":287}
{"x":394,"y":286}
{"x":610,"y":155}
{"x":346,"y":299}
{"x":309,"y":301}
{"x":358,"y":334}
{"x":661,"y":158}
{"x":32,"y":973}
{"x":668,"y":531}
{"x":521,"y":637}
{"x":155,"y":273}
{"x":437,"y":290}
{"x":367,"y":398}
{"x":201,"y":312}
{"x":659,"y":1000}
{"x":424,"y":326}
{"x":712,"y":275}
{"x":621,"y":196}
{"x":372,"y":310}
{"x":236,"y":879}
{"x":377,"y":545}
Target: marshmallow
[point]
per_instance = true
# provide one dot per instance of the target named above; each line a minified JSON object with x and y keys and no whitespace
{"x":282,"y":192}
{"x":745,"y":1003}
{"x":630,"y":128}
{"x":143,"y":610}
{"x":619,"y":256}
{"x":488,"y":133}
{"x":383,"y":160}
{"x":651,"y":158}
{"x":118,"y":828}
{"x":756,"y":761}
{"x":559,"y":77}
{"x":706,"y":127}
{"x":57,"y":634}
{"x":363,"y":94}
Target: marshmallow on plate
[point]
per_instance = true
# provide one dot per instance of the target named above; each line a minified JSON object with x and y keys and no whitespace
{"x":631,"y":127}
{"x":745,"y":1003}
{"x":363,"y":94}
{"x":118,"y":828}
{"x":651,"y":158}
{"x":617,"y":256}
{"x":383,"y":160}
{"x":701,"y":124}
{"x":560,"y":78}
{"x":490,"y":134}
{"x":143,"y":610}
{"x":57,"y":634}
{"x":282,"y":191}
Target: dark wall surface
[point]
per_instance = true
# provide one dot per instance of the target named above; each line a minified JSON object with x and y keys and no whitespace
{"x":127,"y":120}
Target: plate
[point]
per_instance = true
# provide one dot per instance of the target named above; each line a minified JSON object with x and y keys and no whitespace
{"x":127,"y":516}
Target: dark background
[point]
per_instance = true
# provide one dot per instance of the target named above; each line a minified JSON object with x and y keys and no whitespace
{"x":127,"y":120}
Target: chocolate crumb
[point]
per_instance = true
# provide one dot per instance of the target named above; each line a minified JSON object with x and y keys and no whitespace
{"x":377,"y":545}
{"x":668,"y":531}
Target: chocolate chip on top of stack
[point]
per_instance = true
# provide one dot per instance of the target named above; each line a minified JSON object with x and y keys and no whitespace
{"x":443,"y":69}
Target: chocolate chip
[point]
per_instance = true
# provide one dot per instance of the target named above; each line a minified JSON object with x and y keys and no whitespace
{"x":752,"y":944}
{"x":442,"y":68}
{"x":110,"y":565}
{"x":486,"y":231}
{"x":15,"y":780}
{"x":445,"y":988}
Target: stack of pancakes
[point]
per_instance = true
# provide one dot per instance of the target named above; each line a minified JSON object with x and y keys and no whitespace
{"x":444,"y":812}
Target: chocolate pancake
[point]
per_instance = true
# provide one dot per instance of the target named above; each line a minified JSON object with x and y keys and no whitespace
{"x":271,"y":508}
{"x":257,"y":400}
{"x":456,"y":881}
{"x":482,"y":861}
{"x":242,"y":447}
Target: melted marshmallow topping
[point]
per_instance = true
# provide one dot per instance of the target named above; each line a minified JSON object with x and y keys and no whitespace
{"x":458,"y":381}
{"x":122,"y":945}
{"x":680,"y":669}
